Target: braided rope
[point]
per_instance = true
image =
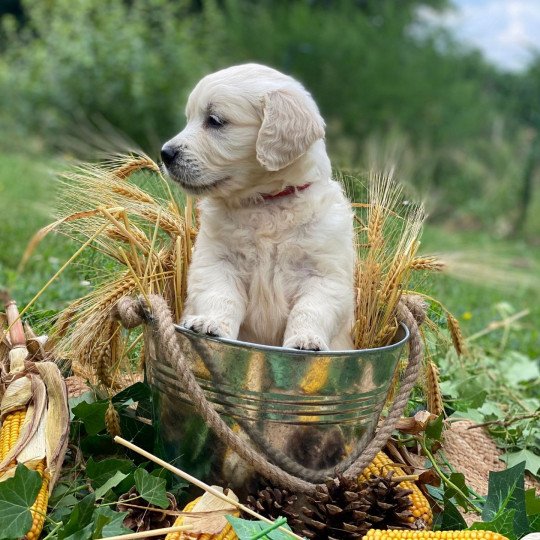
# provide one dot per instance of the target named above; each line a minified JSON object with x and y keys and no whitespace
{"x":131,"y":313}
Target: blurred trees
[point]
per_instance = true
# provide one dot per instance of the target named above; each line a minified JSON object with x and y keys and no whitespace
{"x":390,"y":88}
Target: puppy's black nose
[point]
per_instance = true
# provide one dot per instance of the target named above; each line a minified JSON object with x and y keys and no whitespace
{"x":168,"y":153}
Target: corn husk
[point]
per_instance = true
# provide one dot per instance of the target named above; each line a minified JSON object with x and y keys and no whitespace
{"x":215,"y":509}
{"x":39,"y":388}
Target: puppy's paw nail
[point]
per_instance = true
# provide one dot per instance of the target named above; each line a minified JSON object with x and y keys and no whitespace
{"x":205,"y":325}
{"x":306,"y":342}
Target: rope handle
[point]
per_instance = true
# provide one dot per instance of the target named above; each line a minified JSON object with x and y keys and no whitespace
{"x":131,"y":313}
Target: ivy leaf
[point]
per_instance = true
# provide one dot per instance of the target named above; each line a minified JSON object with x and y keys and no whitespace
{"x":79,"y":517}
{"x":520,"y":368}
{"x":84,"y":533}
{"x":107,"y":467}
{"x":502,"y":524}
{"x":532,"y":460}
{"x":17,"y":495}
{"x":245,"y":529}
{"x":107,"y":523}
{"x":458,"y":479}
{"x":109,"y":484}
{"x":532,"y":502}
{"x":434,"y":428}
{"x":506,"y":492}
{"x":151,"y":489}
{"x":532,"y":505}
{"x":450,"y":519}
{"x":99,"y":472}
{"x":92,"y":415}
{"x":136,"y":392}
{"x":89,"y":397}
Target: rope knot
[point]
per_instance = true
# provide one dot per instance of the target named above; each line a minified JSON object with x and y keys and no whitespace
{"x":131,"y":312}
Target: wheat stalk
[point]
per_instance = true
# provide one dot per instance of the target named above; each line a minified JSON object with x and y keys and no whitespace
{"x":455,"y":334}
{"x":387,"y":243}
{"x":148,"y":237}
{"x":434,"y":397}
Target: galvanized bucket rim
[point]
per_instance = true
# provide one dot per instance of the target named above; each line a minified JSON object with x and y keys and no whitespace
{"x":293,"y":352}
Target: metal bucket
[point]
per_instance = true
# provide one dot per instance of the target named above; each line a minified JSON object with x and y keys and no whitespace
{"x":314,"y":408}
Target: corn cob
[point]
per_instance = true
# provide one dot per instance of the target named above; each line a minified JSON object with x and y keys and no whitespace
{"x":381,"y":466}
{"x":11,"y":426}
{"x":226,"y":534}
{"x":39,"y":508}
{"x":374,"y":534}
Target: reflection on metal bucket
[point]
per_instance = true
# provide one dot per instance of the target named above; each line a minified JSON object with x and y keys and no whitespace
{"x":312,"y":408}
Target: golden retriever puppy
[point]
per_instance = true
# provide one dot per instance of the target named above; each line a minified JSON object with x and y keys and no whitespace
{"x":273,"y":261}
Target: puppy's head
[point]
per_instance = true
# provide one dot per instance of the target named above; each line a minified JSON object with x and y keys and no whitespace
{"x":245,"y":125}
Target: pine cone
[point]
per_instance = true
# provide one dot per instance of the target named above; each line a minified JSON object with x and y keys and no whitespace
{"x":338,"y":510}
{"x":343,"y":509}
{"x":273,"y":503}
{"x":147,"y":518}
{"x":389,"y":504}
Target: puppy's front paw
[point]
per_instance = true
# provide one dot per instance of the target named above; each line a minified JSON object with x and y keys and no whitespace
{"x":207,"y":325}
{"x":305,"y":342}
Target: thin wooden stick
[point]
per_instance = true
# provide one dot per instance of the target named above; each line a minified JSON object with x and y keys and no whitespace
{"x":145,"y":534}
{"x":200,"y":484}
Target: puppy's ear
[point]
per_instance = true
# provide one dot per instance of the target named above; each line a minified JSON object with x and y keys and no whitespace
{"x":291,"y":124}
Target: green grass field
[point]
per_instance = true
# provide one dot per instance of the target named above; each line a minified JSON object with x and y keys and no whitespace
{"x":28,"y":190}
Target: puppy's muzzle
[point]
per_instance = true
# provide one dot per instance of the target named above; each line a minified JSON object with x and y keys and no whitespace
{"x":169,"y":154}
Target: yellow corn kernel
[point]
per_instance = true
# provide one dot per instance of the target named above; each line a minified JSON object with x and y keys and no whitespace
{"x":39,"y":508}
{"x":11,"y":426}
{"x":374,"y":534}
{"x":381,"y":466}
{"x":226,"y":534}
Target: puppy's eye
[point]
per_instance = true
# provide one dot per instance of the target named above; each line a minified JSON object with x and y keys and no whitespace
{"x":215,"y":122}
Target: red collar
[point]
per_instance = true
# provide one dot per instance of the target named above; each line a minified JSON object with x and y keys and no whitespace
{"x":289,"y":190}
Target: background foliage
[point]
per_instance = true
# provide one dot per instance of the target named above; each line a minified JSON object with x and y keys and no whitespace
{"x":389,"y":85}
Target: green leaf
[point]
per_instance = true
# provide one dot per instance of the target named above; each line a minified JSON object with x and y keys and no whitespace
{"x":532,"y":502}
{"x":92,"y":415}
{"x":532,"y":505}
{"x":109,"y":484}
{"x":532,"y":460}
{"x":107,"y":523}
{"x":88,"y":397}
{"x":151,"y":489}
{"x":434,"y":428}
{"x":458,"y":479}
{"x":107,"y":467}
{"x":450,"y":519}
{"x":502,"y":524}
{"x":246,"y":529}
{"x":80,"y":517}
{"x":136,"y":392}
{"x":17,"y":495}
{"x":520,"y":368}
{"x":473,"y":392}
{"x":506,"y":492}
{"x":82,"y":534}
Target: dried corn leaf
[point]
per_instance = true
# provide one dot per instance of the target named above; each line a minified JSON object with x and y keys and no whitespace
{"x":17,"y":396}
{"x":57,"y":419}
{"x":214,"y":523}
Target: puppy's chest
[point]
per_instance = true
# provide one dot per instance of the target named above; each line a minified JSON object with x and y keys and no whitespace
{"x":270,"y":254}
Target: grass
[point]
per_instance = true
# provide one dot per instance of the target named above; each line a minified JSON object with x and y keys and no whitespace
{"x":27,"y":199}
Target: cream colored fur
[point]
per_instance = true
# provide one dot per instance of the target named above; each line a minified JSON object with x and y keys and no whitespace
{"x":279,"y":271}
